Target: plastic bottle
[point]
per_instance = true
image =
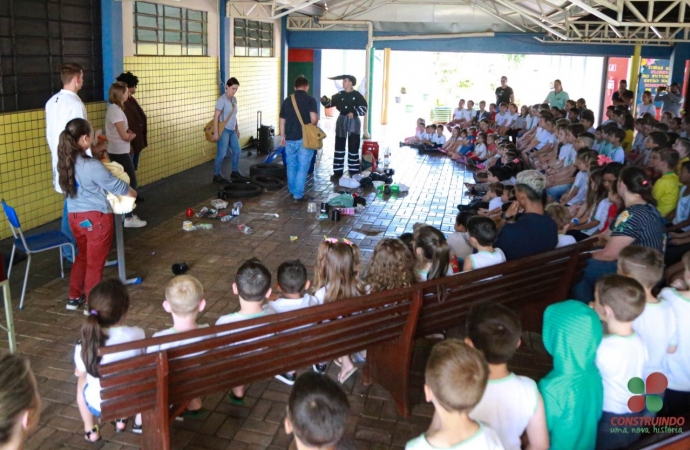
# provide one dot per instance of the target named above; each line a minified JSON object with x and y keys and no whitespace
{"x":236,"y":208}
{"x":244,"y":228}
{"x":386,"y":157}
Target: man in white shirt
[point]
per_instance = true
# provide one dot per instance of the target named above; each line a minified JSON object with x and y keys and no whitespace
{"x":60,"y":109}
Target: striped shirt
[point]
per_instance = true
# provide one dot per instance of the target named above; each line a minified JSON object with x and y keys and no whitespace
{"x":642,"y":223}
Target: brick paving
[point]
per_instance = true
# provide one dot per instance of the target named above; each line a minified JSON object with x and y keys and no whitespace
{"x":47,"y":332}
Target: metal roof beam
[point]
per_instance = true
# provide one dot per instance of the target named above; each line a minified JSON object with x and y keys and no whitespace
{"x":595,"y":12}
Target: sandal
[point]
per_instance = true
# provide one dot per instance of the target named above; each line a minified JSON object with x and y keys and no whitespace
{"x":343,"y":378}
{"x":119,"y":422}
{"x":88,"y":434}
{"x":137,"y":428}
{"x":235,"y":399}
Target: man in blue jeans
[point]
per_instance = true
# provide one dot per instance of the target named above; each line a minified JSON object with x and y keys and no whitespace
{"x":297,"y":157}
{"x":226,"y":131}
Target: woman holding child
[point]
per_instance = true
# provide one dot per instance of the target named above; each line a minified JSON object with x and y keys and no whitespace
{"x":638,"y":224}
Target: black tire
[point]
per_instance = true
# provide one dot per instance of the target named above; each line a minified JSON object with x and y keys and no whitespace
{"x":268,"y":170}
{"x":268,"y":183}
{"x":241,"y":190}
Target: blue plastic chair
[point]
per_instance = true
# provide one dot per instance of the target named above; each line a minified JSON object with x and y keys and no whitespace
{"x":33,"y":244}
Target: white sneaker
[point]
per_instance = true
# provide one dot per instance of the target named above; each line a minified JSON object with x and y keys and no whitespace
{"x":134,"y":222}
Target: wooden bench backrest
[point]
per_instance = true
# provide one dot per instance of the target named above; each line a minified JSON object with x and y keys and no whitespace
{"x":527,"y":286}
{"x":274,"y":344}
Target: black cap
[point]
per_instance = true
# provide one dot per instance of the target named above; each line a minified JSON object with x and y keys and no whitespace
{"x":342,"y":77}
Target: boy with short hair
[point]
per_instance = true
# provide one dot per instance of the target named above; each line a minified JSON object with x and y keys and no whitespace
{"x":184,"y":300}
{"x":438,"y":139}
{"x":316,"y":412}
{"x":573,"y":391}
{"x":677,"y":365}
{"x":482,"y":232}
{"x":511,"y":404}
{"x":252,"y":285}
{"x":455,"y":379}
{"x":621,"y":355}
{"x":293,"y":284}
{"x":656,"y":140}
{"x":614,"y":150}
{"x":495,"y":194}
{"x":482,"y":113}
{"x":656,"y":326}
{"x":666,"y":188}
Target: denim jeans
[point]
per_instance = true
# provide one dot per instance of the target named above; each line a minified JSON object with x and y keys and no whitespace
{"x":67,"y":231}
{"x":228,"y":139}
{"x":556,"y":192}
{"x":298,"y":161}
{"x":595,"y":269}
{"x":135,"y":160}
{"x":612,"y":437}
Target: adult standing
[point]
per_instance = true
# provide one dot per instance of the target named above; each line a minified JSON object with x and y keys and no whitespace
{"x":86,"y":182}
{"x":532,"y":232}
{"x":671,"y":98}
{"x":120,"y":137}
{"x":136,"y":118}
{"x":623,"y":96}
{"x":557,"y":97}
{"x":297,"y":157}
{"x":60,"y":109}
{"x":504,"y":93}
{"x":348,"y":127}
{"x":640,"y":223}
{"x":227,"y":137}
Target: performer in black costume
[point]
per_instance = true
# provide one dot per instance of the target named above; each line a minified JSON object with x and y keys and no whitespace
{"x":351,"y":105}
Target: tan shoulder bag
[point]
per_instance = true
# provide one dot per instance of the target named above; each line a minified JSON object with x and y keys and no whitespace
{"x":312,"y":136}
{"x":208,"y":129}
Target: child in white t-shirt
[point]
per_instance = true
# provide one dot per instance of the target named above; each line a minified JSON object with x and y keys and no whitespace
{"x":293,"y":284}
{"x":416,"y":139}
{"x":438,"y":139}
{"x":621,"y":356}
{"x":647,"y":106}
{"x":184,"y":300}
{"x":108,"y":306}
{"x":615,"y":136}
{"x":455,"y":380}
{"x":677,"y":365}
{"x":496,"y":196}
{"x":459,"y":241}
{"x":511,"y":404}
{"x":252,"y":285}
{"x":656,"y":326}
{"x":561,"y":216}
{"x":482,"y":231}
{"x":503,"y":119}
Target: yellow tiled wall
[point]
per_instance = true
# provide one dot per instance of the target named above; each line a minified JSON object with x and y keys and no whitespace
{"x":178,"y":95}
{"x":26,"y":175}
{"x":259,"y":91}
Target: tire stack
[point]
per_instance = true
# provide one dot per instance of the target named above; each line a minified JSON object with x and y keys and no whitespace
{"x":262,"y":177}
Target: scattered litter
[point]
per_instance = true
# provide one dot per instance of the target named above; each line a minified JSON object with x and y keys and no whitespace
{"x":219,"y":204}
{"x":190,"y":212}
{"x":203,"y":212}
{"x":188,"y":226}
{"x":244,"y":229}
{"x":227,"y":218}
{"x":236,"y":208}
{"x":311,"y":207}
{"x":205,"y":226}
{"x":271,"y":214}
{"x":153,"y":253}
{"x":347,"y":211}
{"x":322,"y":216}
{"x":293,"y":238}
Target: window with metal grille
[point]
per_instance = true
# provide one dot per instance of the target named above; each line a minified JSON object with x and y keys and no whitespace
{"x":253,"y":38}
{"x":39,"y":36}
{"x":169,"y":31}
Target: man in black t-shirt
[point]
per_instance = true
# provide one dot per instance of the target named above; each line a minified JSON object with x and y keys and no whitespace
{"x":623,"y":96}
{"x":504,"y":93}
{"x":297,"y":157}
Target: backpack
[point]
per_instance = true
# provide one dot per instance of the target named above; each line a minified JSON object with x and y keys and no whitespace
{"x":312,"y":136}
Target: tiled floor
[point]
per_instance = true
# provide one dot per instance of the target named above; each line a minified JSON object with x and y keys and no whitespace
{"x":47,"y":332}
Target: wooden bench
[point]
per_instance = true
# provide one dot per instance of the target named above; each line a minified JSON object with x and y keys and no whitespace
{"x":160,"y":385}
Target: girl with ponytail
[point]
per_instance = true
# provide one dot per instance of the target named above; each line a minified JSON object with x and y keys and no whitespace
{"x":432,"y":253}
{"x":103,"y":326}
{"x":640,"y":223}
{"x":85,"y":182}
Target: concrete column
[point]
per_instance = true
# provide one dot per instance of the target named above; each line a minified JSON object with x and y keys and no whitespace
{"x":113,"y":59}
{"x":224,"y":44}
{"x":316,"y":80}
{"x":386,"y":85}
{"x":284,"y":85}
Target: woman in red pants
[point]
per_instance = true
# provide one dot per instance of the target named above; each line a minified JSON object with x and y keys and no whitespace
{"x":85,"y":182}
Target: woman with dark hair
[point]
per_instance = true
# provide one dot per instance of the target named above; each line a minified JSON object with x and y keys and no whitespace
{"x":85,"y":183}
{"x":532,"y":231}
{"x":136,"y":117}
{"x":226,"y":131}
{"x":20,"y":404}
{"x":638,"y":224}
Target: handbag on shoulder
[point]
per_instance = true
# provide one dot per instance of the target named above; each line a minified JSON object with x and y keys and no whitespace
{"x":208,"y":129}
{"x":312,"y":136}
